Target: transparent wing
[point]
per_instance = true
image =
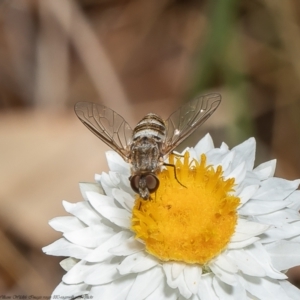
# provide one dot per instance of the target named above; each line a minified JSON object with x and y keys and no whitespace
{"x":188,"y":118}
{"x":107,"y":125}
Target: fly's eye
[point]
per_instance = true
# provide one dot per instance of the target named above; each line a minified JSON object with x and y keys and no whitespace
{"x":152,"y":183}
{"x":134,"y":182}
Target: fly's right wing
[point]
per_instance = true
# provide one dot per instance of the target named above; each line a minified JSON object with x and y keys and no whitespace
{"x":107,"y":125}
{"x":185,"y":120}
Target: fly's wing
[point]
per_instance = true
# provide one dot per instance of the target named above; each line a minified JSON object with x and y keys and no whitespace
{"x":188,"y":118}
{"x":107,"y":125}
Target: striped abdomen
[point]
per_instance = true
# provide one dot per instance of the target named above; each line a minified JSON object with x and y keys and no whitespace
{"x":148,"y":137}
{"x":150,"y":125}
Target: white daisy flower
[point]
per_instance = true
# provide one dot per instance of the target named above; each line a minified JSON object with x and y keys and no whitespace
{"x":230,"y":233}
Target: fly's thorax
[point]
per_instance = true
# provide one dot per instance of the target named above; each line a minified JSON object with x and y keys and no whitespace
{"x":145,"y":154}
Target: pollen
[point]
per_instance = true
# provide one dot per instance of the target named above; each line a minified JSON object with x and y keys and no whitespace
{"x":189,"y":219}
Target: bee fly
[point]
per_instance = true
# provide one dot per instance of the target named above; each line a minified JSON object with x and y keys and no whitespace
{"x":147,"y":145}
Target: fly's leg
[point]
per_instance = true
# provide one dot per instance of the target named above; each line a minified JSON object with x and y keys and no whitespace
{"x":175,"y":175}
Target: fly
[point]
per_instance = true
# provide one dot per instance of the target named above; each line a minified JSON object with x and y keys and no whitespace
{"x":149,"y":143}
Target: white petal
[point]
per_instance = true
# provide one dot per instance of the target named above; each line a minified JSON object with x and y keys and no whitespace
{"x":246,"y":263}
{"x":239,"y":237}
{"x":167,"y":267}
{"x":259,"y":253}
{"x":108,"y":210}
{"x":90,"y":187}
{"x":192,"y":277}
{"x":284,"y":254}
{"x":115,"y":290}
{"x":145,"y":284}
{"x":62,"y":247}
{"x":66,"y":224}
{"x":107,"y":183}
{"x":98,"y":178}
{"x":226,"y":263}
{"x":224,"y":146}
{"x":238,"y":173}
{"x":102,"y":252}
{"x":128,"y":247}
{"x":251,"y":179}
{"x":295,"y":239}
{"x":204,"y":145}
{"x":66,"y":291}
{"x":245,"y":152}
{"x":117,"y":164}
{"x":276,"y":189}
{"x":68,"y":263}
{"x":294,"y":200}
{"x":215,"y":157}
{"x":265,"y":170}
{"x":206,"y":289}
{"x":279,"y":217}
{"x":285,"y":231}
{"x":247,"y":192}
{"x":78,"y":273}
{"x":98,"y":200}
{"x":118,"y":216}
{"x":292,"y":291}
{"x":97,"y":291}
{"x":147,"y":263}
{"x":124,"y":185}
{"x":193,"y":297}
{"x":114,"y":177}
{"x":227,"y":163}
{"x":90,"y":237}
{"x":177,"y":282}
{"x":163,"y":291}
{"x":83,"y":211}
{"x":182,"y":286}
{"x":225,"y":291}
{"x":125,"y":199}
{"x":226,"y":277}
{"x":105,"y":272}
{"x":242,"y":244}
{"x":137,"y":263}
{"x":259,"y":207}
{"x":264,"y":288}
{"x":177,"y":269}
{"x":246,"y":229}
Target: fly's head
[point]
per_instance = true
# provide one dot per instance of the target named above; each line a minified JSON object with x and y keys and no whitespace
{"x":144,"y":184}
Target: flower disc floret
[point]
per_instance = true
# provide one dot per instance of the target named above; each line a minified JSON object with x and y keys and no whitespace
{"x":191,"y":218}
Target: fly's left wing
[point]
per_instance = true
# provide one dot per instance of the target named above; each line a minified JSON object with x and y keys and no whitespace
{"x":107,"y":125}
{"x":184,"y":121}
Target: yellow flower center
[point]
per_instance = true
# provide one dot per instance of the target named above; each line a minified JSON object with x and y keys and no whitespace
{"x":192,"y":224}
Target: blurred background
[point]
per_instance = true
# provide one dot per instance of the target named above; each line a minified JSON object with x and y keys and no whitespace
{"x":135,"y":57}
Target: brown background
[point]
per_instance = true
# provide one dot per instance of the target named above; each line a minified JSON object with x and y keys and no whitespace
{"x":135,"y":57}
